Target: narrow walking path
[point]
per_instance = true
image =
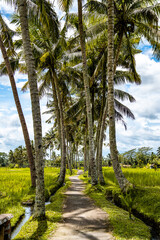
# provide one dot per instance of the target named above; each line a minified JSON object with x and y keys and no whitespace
{"x":81,"y":218}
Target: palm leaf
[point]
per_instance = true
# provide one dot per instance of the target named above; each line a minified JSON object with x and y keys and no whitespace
{"x":123,"y":95}
{"x":123,"y":109}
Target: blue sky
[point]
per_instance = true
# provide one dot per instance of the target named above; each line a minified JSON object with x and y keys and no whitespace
{"x":143,"y":131}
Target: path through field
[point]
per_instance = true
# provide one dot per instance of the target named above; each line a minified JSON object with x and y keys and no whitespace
{"x":81,"y":218}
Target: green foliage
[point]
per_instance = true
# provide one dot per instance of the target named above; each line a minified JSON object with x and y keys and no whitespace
{"x":146,"y":197}
{"x":123,"y":227}
{"x":85,"y":175}
{"x":68,"y":173}
{"x":40,"y":229}
{"x":15,"y":187}
{"x":137,"y":157}
{"x":158,"y":152}
{"x":128,"y":199}
{"x":3,"y":159}
{"x":138,"y":176}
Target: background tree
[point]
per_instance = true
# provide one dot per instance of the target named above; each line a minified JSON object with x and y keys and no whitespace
{"x":158,"y":152}
{"x":3,"y":159}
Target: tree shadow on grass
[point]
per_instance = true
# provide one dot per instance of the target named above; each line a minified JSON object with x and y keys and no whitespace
{"x":39,"y":231}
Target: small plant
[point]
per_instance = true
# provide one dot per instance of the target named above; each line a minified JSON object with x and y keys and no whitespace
{"x":85,"y":175}
{"x":127,"y":199}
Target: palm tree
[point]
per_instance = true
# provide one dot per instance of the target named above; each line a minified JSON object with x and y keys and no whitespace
{"x":87,"y":96}
{"x":130,"y":16}
{"x":45,"y":16}
{"x":39,"y":210}
{"x":111,"y":111}
{"x":45,"y":52}
{"x":47,"y":59}
{"x":140,"y":17}
{"x":5,"y":30}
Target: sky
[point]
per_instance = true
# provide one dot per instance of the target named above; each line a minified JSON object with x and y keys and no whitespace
{"x":144,"y":131}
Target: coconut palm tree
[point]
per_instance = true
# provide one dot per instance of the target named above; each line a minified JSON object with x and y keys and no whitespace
{"x":111,"y":112}
{"x":48,"y":59}
{"x":5,"y":30}
{"x":130,"y":17}
{"x":88,"y":97}
{"x":45,"y":16}
{"x":39,"y":210}
{"x":92,"y":57}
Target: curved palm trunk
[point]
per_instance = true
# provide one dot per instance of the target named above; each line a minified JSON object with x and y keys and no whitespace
{"x":39,"y":210}
{"x":63,"y":143}
{"x":88,"y":99}
{"x":20,"y":113}
{"x":111,"y":111}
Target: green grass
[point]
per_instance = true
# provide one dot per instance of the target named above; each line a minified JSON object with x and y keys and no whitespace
{"x":41,"y":229}
{"x":147,"y":181}
{"x":139,"y":176}
{"x":15,"y":187}
{"x":123,"y":228}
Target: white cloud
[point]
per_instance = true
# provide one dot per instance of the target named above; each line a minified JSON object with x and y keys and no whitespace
{"x":6,"y":8}
{"x":145,"y":129}
{"x":9,"y":24}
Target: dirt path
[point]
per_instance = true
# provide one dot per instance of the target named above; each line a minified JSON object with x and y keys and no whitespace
{"x":81,"y":218}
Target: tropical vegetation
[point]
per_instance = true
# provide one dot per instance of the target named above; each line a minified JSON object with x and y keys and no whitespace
{"x":79,"y":73}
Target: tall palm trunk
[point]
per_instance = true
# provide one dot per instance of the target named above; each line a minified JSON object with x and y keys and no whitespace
{"x":61,"y":128}
{"x":57,"y":111}
{"x":39,"y":210}
{"x":101,"y":124}
{"x":85,"y":152}
{"x":60,"y":132}
{"x":88,"y":99}
{"x":63,"y":142}
{"x":69,"y":157}
{"x":111,"y":111}
{"x":100,"y":146}
{"x":20,"y":113}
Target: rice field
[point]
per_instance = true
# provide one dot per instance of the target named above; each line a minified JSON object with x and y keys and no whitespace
{"x":15,"y":185}
{"x":138,"y":176}
{"x":147,"y":199}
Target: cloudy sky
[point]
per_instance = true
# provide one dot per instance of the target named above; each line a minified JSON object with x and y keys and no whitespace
{"x":143,"y":131}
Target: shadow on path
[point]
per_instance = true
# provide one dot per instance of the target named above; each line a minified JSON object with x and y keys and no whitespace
{"x":81,"y":218}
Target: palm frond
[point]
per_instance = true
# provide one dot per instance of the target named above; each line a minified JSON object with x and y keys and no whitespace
{"x":132,"y":65}
{"x":97,"y":6}
{"x":123,"y":77}
{"x":7,"y":35}
{"x":43,"y":13}
{"x":119,"y":117}
{"x":65,"y":4}
{"x":123,"y":95}
{"x":123,"y":109}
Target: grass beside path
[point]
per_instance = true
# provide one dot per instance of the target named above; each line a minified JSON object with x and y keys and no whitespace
{"x":41,"y":229}
{"x":15,"y":188}
{"x":147,"y":182}
{"x":123,"y":227}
